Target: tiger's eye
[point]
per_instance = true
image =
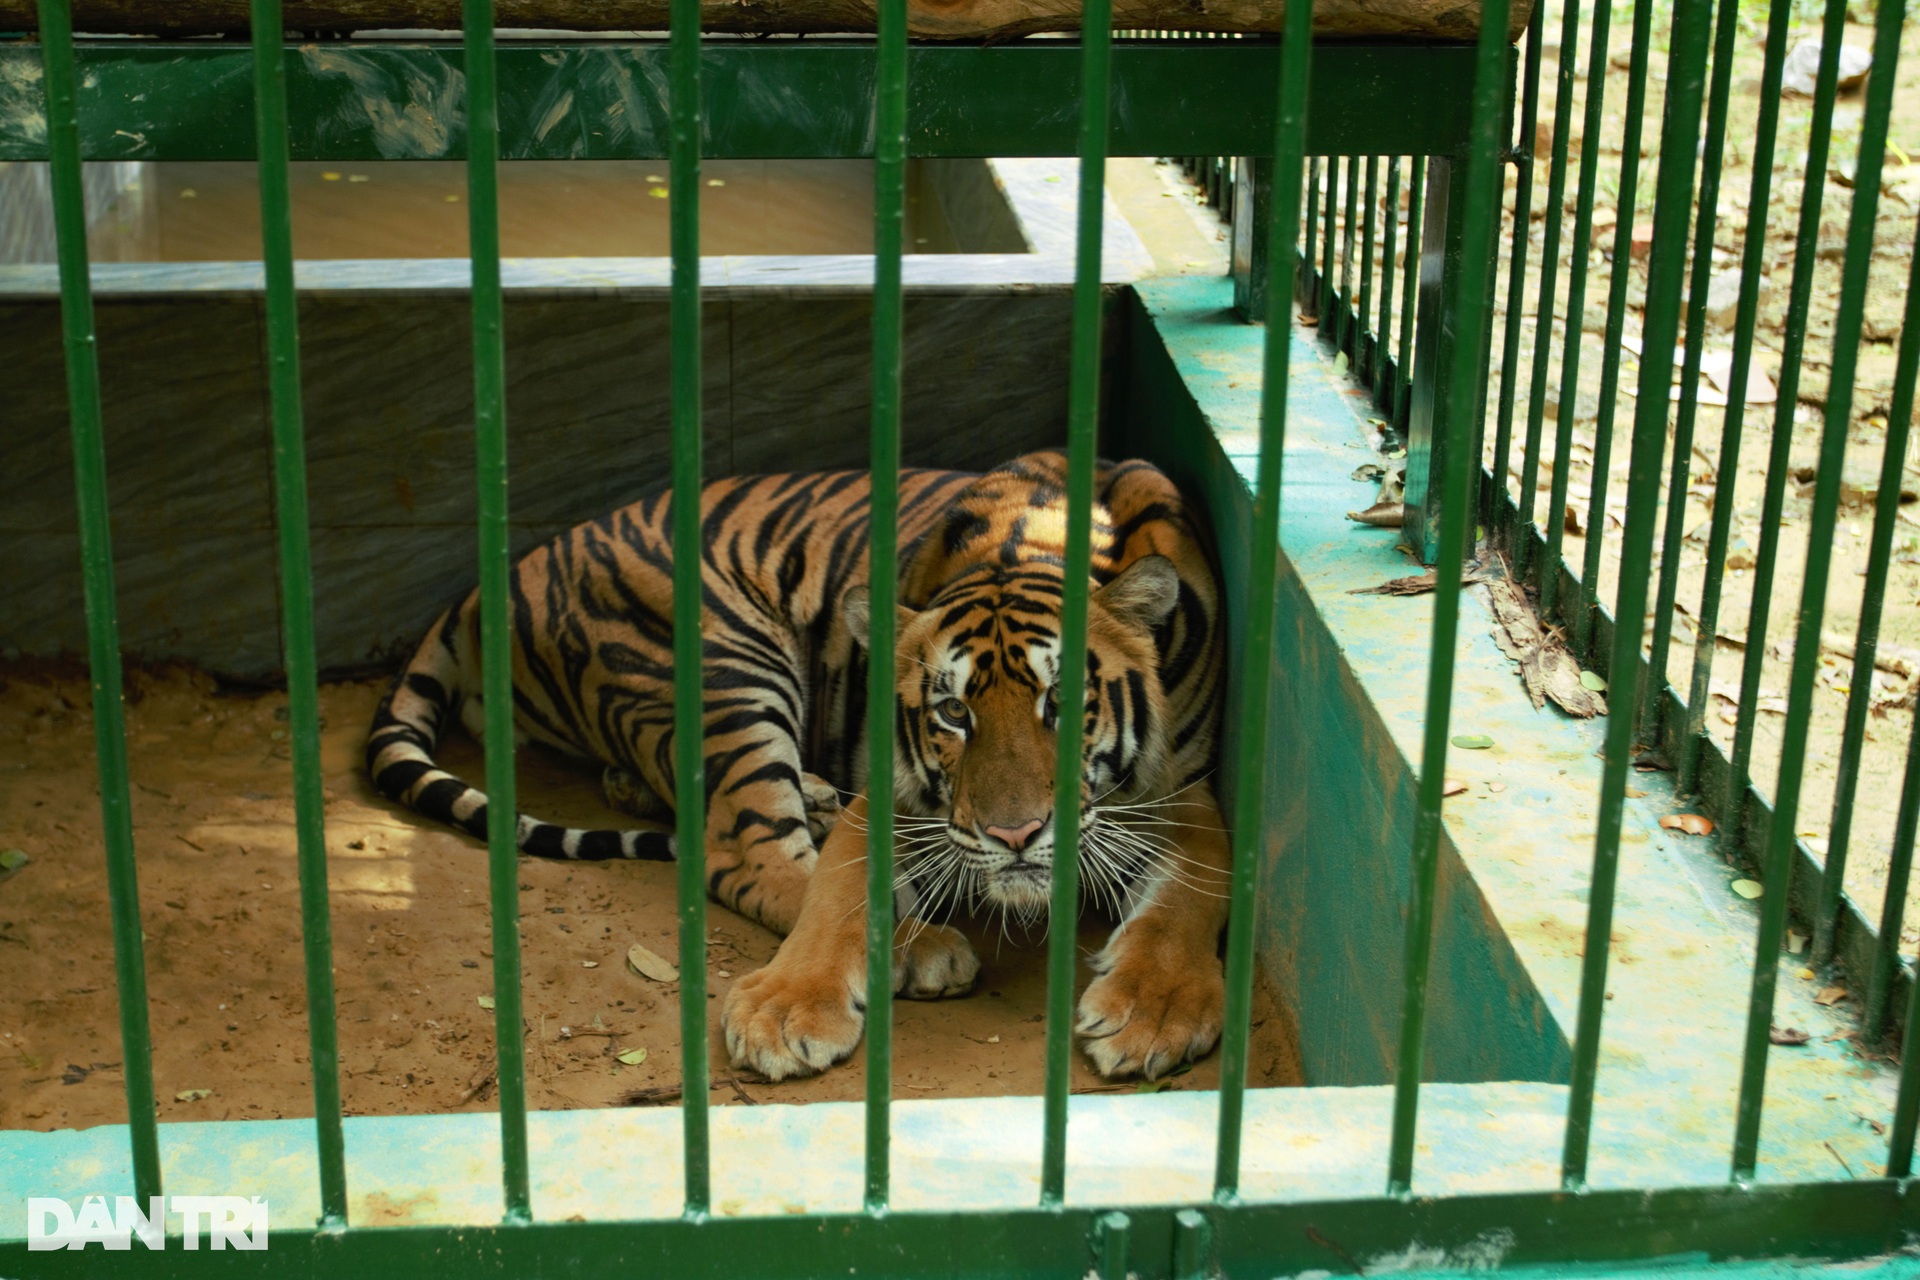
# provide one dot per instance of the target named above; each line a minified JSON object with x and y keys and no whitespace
{"x":953,"y":710}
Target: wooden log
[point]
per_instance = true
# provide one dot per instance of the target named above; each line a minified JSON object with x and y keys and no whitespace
{"x":931,"y":19}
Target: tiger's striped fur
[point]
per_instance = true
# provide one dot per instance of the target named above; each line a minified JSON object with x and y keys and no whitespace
{"x":784,"y":568}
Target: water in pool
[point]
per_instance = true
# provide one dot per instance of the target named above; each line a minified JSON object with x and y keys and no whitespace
{"x":200,"y":212}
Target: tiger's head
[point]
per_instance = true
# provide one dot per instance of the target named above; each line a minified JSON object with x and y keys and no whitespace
{"x":978,"y":682}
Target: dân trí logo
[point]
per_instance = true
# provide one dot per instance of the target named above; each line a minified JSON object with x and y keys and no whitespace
{"x":227,"y":1222}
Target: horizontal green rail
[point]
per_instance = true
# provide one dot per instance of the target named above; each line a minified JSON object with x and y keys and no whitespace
{"x":1821,"y":1220}
{"x":773,"y":100}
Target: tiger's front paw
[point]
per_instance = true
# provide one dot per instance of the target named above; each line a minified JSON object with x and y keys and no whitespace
{"x":1145,"y":1015}
{"x":793,"y":1019}
{"x":822,"y":801}
{"x":931,"y":962}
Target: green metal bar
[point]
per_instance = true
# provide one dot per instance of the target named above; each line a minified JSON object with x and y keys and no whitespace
{"x":1083,"y":418}
{"x":1249,"y":781}
{"x":1813,"y":593}
{"x":1907,"y":821}
{"x":96,"y":562}
{"x":296,"y":599}
{"x":1873,"y":600}
{"x":889,"y":226}
{"x":1746,"y":314}
{"x":1308,"y":289}
{"x":1192,"y":1245}
{"x":1906,"y":1106}
{"x":1369,"y":230}
{"x":1327,"y":291}
{"x":1626,"y":207}
{"x":496,"y":631}
{"x":1410,"y":290}
{"x":1111,"y":1233}
{"x":1456,"y":524}
{"x":1793,"y":349}
{"x":1653,"y":699}
{"x":1666,"y":270}
{"x":1522,"y":542}
{"x":1517,"y":268}
{"x":1383,"y":341}
{"x":1350,"y":222}
{"x":689,"y":547}
{"x":1593,"y":120}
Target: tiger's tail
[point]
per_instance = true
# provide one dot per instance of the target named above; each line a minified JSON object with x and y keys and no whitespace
{"x":400,"y":746}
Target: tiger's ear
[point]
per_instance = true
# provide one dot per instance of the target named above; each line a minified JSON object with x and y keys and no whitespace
{"x":857,"y":608}
{"x":1143,"y":594}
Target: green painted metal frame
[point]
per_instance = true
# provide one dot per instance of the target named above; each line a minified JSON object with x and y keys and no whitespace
{"x":194,"y":101}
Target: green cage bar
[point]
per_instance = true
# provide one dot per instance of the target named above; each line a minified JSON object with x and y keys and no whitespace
{"x":1779,"y":459}
{"x":1777,"y":866}
{"x":1111,"y":1230}
{"x":689,"y":754}
{"x":1083,"y":417}
{"x":1309,"y":274}
{"x":1522,"y":539}
{"x":1873,"y":136}
{"x":1666,"y":269}
{"x":496,"y":567}
{"x":1592,"y":121}
{"x":1653,"y":693}
{"x":1906,"y":1106}
{"x":1467,"y":391}
{"x":96,"y":558}
{"x":1885,"y":516}
{"x":1517,"y":270}
{"x":1363,"y":335}
{"x":1746,"y":314}
{"x":889,"y":223}
{"x":1326,"y":249}
{"x":1587,"y":615}
{"x":1383,"y":340}
{"x":1343,"y":333}
{"x":296,"y":598}
{"x":1289,"y":148}
{"x":1410,"y":292}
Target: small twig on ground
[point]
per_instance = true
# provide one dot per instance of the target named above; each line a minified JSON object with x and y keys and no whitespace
{"x":1842,"y":1159}
{"x":479,"y":1086}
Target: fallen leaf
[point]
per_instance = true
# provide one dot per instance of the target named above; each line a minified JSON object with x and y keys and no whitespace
{"x":1805,"y":975}
{"x":1472,"y":741}
{"x":1381,"y":515}
{"x":12,"y":859}
{"x":1496,"y":787}
{"x":649,"y":965}
{"x":1691,"y":823}
{"x":1452,"y":787}
{"x":1788,"y":1035}
{"x":632,"y":1057}
{"x":993,"y":1039}
{"x":658,"y":193}
{"x":1153,"y":1086}
{"x":1635,"y":793}
{"x":192,"y":1095}
{"x":589,"y":964}
{"x":1547,"y":670}
{"x":1593,"y":680}
{"x":1830,"y":995}
{"x":1748,"y":888}
{"x":486,"y":1002}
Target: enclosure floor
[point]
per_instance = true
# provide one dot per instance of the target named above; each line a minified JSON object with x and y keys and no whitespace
{"x":220,"y":907}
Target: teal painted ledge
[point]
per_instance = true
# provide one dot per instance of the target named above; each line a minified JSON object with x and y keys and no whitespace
{"x":1347,"y":710}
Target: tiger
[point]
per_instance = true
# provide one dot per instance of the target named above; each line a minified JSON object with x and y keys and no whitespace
{"x":785,"y":611}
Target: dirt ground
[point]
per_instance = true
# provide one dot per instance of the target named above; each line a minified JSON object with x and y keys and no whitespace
{"x":1891,"y":720}
{"x":220,"y":906}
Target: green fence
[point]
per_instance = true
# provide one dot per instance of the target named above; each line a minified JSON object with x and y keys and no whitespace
{"x":1432,"y":122}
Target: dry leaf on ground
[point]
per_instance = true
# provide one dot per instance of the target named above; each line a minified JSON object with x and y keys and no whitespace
{"x":1830,"y":995}
{"x":1692,"y":823}
{"x":1546,"y":668}
{"x":1788,"y":1035}
{"x":1452,"y":787}
{"x":648,"y":964}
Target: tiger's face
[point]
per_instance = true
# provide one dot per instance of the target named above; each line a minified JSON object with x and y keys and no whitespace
{"x":977,"y":725}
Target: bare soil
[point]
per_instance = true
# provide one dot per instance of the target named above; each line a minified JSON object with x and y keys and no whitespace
{"x":220,"y":909}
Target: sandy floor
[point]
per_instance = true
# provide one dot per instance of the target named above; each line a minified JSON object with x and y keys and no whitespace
{"x":220,"y":907}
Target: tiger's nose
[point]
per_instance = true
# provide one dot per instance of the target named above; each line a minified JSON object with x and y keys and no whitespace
{"x":1016,"y":838}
